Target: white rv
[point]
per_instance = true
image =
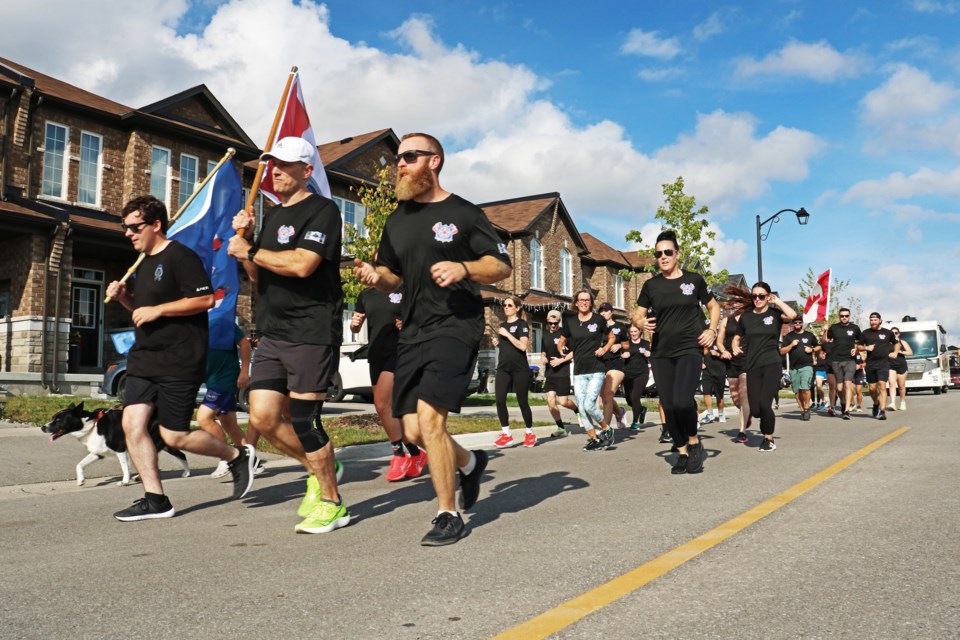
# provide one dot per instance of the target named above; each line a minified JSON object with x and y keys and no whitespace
{"x":929,"y":366}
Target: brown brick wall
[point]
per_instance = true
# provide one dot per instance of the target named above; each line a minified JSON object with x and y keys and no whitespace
{"x":196,"y":112}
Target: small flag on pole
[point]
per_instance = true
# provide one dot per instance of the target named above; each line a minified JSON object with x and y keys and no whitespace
{"x":205,"y":226}
{"x":295,"y":122}
{"x":818,"y":302}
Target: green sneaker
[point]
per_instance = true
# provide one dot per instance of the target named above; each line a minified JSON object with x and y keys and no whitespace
{"x":326,"y":517}
{"x":635,"y":426}
{"x":312,"y":497}
{"x":559,"y":433}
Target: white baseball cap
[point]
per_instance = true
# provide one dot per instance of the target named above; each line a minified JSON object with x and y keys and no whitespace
{"x":291,"y":149}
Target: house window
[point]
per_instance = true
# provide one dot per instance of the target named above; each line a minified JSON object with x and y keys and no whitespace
{"x":84,"y":308}
{"x":91,"y":156}
{"x":188,"y":177}
{"x":566,"y":273}
{"x":353,"y":215}
{"x":160,"y":174}
{"x":211,"y":165}
{"x":536,"y":339}
{"x":618,"y":291}
{"x":536,"y":265}
{"x":54,"y":161}
{"x":4,"y":298}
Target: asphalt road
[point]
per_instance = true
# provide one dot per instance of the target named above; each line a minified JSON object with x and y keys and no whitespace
{"x":871,"y":552}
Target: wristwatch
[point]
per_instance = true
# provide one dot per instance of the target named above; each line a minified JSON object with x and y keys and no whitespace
{"x":252,"y":252}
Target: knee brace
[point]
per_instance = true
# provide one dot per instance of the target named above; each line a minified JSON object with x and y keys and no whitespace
{"x":305,"y":416}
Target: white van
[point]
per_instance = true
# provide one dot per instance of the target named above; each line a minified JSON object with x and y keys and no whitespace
{"x":929,"y":366}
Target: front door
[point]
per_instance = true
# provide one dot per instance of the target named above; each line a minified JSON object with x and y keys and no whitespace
{"x":85,"y":332}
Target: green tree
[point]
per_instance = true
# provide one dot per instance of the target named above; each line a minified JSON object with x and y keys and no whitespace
{"x":379,"y":201}
{"x":837,"y":287}
{"x":680,"y":213}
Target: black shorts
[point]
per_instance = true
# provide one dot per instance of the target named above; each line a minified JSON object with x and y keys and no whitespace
{"x":711,"y":386}
{"x":734,"y":370}
{"x":879,"y":372}
{"x":613,"y":364}
{"x":900,"y":366}
{"x":172,"y":398}
{"x":292,"y":366}
{"x":559,"y":385}
{"x":437,"y":371}
{"x":378,"y":366}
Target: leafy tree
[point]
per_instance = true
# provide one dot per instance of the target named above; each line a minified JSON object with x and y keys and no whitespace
{"x":379,"y":201}
{"x":679,"y":213}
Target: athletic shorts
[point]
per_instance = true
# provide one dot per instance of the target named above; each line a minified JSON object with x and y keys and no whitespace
{"x":220,"y":401}
{"x":879,"y":372}
{"x":843,"y":370}
{"x":711,"y":386}
{"x":821,"y":374}
{"x":172,"y":398}
{"x":859,"y":378}
{"x":388,"y":364}
{"x":900,"y":366}
{"x":437,"y":371}
{"x":291,"y":366}
{"x":734,"y":370}
{"x":561,"y":386}
{"x":613,"y":364}
{"x":801,"y":378}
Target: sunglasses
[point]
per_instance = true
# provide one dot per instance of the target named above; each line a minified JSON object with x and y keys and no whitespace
{"x":508,"y":304}
{"x":846,"y":316}
{"x":666,"y":252}
{"x":798,"y":322}
{"x":135,"y":227}
{"x":553,"y":323}
{"x":759,"y":296}
{"x":411,"y":156}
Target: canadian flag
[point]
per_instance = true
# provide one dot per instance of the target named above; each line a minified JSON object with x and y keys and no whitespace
{"x":295,"y":122}
{"x":818,"y":302}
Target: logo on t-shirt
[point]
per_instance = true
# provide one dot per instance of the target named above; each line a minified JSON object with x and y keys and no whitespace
{"x":158,"y":273}
{"x":284,"y":233}
{"x":768,"y":320}
{"x":556,"y":341}
{"x":687,"y":288}
{"x":444,"y":232}
{"x":882,"y":336}
{"x":592,"y":328}
{"x":616,"y":331}
{"x":513,"y":329}
{"x":502,"y":248}
{"x":803,"y":340}
{"x":849,"y":332}
{"x":315,"y":236}
{"x":396,"y":298}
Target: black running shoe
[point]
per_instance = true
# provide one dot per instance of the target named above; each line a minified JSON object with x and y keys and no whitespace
{"x":665,"y":436}
{"x":143,"y":509}
{"x":241,"y":468}
{"x":447,"y":529}
{"x":593,"y":444}
{"x":846,"y":415}
{"x":876,"y":410}
{"x":767,"y":445}
{"x":696,"y":455}
{"x":607,"y":437}
{"x":470,"y":483}
{"x":681,"y":465}
{"x":882,"y":415}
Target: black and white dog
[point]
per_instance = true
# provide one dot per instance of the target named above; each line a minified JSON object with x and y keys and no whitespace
{"x":101,"y":432}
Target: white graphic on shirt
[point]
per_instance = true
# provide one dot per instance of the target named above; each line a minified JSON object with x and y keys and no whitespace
{"x":803,"y":340}
{"x":592,"y":328}
{"x":158,"y":273}
{"x":513,"y":329}
{"x":444,"y":232}
{"x":687,"y":288}
{"x":849,"y":332}
{"x":882,"y":336}
{"x":502,"y":248}
{"x":284,"y":233}
{"x":616,"y":331}
{"x":556,"y":341}
{"x":396,"y":298}
{"x":316,"y":236}
{"x":768,"y":320}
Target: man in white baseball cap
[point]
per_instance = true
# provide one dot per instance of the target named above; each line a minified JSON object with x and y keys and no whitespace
{"x":291,"y":149}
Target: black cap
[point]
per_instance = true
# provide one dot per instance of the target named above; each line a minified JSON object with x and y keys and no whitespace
{"x":605,"y":306}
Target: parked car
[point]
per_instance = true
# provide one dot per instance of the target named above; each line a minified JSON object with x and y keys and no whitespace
{"x":955,"y":377}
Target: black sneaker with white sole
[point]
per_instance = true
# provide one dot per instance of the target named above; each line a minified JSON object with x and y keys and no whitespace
{"x":447,"y":529}
{"x":241,"y":468}
{"x":767,"y":445}
{"x":665,"y":436}
{"x":144,"y":509}
{"x":470,"y":482}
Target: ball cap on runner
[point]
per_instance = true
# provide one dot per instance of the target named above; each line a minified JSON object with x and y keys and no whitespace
{"x":553,"y":316}
{"x":291,"y":149}
{"x":606,"y":306}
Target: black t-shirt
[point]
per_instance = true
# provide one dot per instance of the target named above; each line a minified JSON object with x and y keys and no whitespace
{"x":551,"y":347}
{"x":732,"y":330}
{"x":170,"y":346}
{"x":622,"y":333}
{"x":509,"y":356}
{"x":637,"y":364}
{"x":714,"y":366}
{"x":762,"y":334}
{"x":676,"y":304}
{"x":383,"y":311}
{"x":883,"y":343}
{"x":303,"y":310}
{"x":798,"y":355}
{"x":845,"y":338}
{"x":584,"y":337}
{"x":417,"y":236}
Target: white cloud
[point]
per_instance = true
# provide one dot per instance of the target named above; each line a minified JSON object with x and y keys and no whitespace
{"x":728,"y":252}
{"x":907,"y":92}
{"x":661,"y":74}
{"x":935,"y":6}
{"x":708,"y":28}
{"x":893,"y":291}
{"x":815,"y":61}
{"x":922,"y":46}
{"x":650,"y":44}
{"x":899,"y":186}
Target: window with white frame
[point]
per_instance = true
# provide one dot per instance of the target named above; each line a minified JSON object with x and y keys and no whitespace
{"x":211,"y":165}
{"x":160,"y":174}
{"x":566,"y":273}
{"x":536,"y":264}
{"x":55,"y":160}
{"x":536,"y":339}
{"x":91,"y":163}
{"x":353,"y":214}
{"x":618,"y":291}
{"x":188,"y":177}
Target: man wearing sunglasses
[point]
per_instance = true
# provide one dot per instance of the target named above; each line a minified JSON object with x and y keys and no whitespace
{"x":801,"y":346}
{"x":845,"y":337}
{"x":879,"y":345}
{"x":440,"y":248}
{"x":556,"y":366}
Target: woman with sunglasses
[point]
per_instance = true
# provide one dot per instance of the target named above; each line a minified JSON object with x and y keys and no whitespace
{"x":762,"y":326}
{"x":556,"y":367}
{"x":736,"y":376}
{"x":636,"y":372}
{"x":513,"y":373}
{"x":898,"y":373}
{"x":679,"y":337}
{"x":614,"y":365}
{"x":586,"y":334}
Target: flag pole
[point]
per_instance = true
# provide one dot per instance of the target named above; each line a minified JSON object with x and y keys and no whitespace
{"x":226,"y":157}
{"x":261,"y":167}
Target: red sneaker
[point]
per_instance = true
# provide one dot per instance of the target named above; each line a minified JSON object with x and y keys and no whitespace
{"x":530,"y":440}
{"x":417,"y":463}
{"x":399,"y":465}
{"x":505,"y":440}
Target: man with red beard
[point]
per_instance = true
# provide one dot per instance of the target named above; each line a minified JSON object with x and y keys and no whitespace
{"x":440,"y":248}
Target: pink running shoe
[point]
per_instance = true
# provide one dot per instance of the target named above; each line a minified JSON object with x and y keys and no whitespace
{"x":505,"y":440}
{"x":530,"y":440}
{"x":417,"y":463}
{"x":399,"y":465}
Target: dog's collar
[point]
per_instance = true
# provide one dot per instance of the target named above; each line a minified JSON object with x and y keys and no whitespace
{"x":99,"y":415}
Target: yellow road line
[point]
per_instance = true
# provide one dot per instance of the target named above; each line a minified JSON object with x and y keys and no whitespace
{"x":570,"y":612}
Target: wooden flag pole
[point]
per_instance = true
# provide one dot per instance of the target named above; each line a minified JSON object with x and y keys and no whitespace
{"x":226,"y":157}
{"x":258,"y":178}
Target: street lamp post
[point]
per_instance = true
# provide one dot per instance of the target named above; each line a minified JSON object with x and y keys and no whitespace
{"x":802,"y":217}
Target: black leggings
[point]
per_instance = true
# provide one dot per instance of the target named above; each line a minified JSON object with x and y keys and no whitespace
{"x":763,"y":385}
{"x":518,"y":380}
{"x":677,"y":381}
{"x":634,"y":388}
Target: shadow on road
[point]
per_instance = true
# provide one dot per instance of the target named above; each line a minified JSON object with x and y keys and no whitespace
{"x":521,"y":494}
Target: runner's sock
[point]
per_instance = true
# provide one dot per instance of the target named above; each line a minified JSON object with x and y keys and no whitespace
{"x":397,"y":448}
{"x":529,"y":429}
{"x":560,"y":424}
{"x":467,"y":469}
{"x":412,"y":449}
{"x":506,"y":430}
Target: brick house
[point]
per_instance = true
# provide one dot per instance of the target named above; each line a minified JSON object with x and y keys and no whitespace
{"x":603,"y":269}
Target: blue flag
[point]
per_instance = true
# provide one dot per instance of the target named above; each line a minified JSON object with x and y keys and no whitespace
{"x":206,"y":227}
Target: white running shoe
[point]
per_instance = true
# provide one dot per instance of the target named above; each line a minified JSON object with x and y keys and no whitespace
{"x":723,"y":418}
{"x":903,"y":405}
{"x":222,"y":469}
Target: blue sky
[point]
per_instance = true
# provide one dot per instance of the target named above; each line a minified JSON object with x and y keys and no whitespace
{"x":851,"y":110}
